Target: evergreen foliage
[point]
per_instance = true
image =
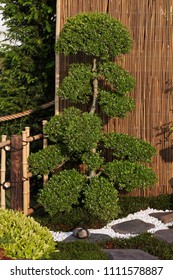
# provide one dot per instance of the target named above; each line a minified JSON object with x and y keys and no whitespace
{"x":62,"y":192}
{"x":104,"y":87}
{"x":27,"y":78}
{"x":23,"y":238}
{"x":96,"y":34}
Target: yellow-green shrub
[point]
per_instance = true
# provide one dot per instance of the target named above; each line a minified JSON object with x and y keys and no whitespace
{"x":22,"y":237}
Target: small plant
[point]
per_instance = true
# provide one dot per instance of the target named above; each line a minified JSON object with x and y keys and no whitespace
{"x":86,"y":179}
{"x":22,"y":237}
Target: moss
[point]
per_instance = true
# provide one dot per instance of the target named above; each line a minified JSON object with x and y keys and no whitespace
{"x":78,"y":250}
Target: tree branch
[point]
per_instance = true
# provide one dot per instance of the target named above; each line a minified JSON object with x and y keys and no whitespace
{"x":95,"y":87}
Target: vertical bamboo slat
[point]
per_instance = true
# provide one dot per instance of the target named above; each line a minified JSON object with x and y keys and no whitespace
{"x":3,"y":173}
{"x":27,"y":129}
{"x":25,"y":169}
{"x":45,"y":144}
{"x":57,"y":57}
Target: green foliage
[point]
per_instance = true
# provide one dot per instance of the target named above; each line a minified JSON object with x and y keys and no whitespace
{"x":119,"y":80}
{"x":92,"y":161}
{"x":126,"y":147}
{"x":62,"y":192}
{"x":114,"y":105}
{"x":129,"y":175}
{"x":131,"y":204}
{"x":45,"y":161}
{"x":94,"y":34}
{"x":104,"y":88}
{"x":27,"y":78}
{"x":79,"y":250}
{"x":77,"y":85}
{"x":78,"y":131}
{"x":101,"y":199}
{"x":144,"y":241}
{"x":69,"y":220}
{"x":22,"y":237}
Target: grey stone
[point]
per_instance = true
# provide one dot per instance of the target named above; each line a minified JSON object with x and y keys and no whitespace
{"x":164,"y":234}
{"x":93,"y":238}
{"x":128,"y":254}
{"x":133,"y":227}
{"x":161,"y":215}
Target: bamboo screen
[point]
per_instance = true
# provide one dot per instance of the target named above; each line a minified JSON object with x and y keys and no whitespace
{"x":151,"y":63}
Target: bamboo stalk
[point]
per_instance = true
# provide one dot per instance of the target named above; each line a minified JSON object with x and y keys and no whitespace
{"x":45,"y":144}
{"x":33,"y":138}
{"x":25,"y":166}
{"x":4,"y":143}
{"x":27,"y":129}
{"x":57,"y":57}
{"x":3,"y":173}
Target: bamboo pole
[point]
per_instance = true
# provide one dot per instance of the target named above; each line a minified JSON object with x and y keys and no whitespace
{"x":27,"y":129}
{"x":3,"y":172}
{"x":57,"y":57}
{"x":45,"y":144}
{"x":4,"y":143}
{"x":25,"y":167}
{"x":35,"y":137}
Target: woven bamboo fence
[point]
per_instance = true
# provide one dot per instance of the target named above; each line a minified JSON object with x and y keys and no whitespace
{"x":150,"y":23}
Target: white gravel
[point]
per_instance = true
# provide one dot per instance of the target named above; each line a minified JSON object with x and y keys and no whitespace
{"x":142,"y":215}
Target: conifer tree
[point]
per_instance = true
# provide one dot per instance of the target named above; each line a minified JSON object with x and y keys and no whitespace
{"x":27,"y":78}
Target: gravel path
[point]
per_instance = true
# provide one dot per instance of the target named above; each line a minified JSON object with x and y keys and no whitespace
{"x":142,"y":215}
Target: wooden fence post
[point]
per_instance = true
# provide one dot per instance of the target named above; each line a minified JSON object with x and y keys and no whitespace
{"x":16,"y":174}
{"x":3,"y":171}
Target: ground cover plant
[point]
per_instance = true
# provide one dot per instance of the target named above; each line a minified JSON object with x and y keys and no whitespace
{"x":81,"y":179}
{"x":84,"y":250}
{"x":78,"y":250}
{"x":144,"y":241}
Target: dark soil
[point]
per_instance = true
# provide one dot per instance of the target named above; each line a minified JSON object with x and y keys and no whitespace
{"x":3,"y":255}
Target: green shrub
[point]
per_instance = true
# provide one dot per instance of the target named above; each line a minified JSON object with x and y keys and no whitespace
{"x":131,"y":204}
{"x":70,"y":220}
{"x":126,"y":147}
{"x":92,"y":161}
{"x":115,"y":105}
{"x":77,"y":85}
{"x":120,"y":81}
{"x":46,"y":160}
{"x":22,"y":237}
{"x":129,"y":175}
{"x":62,"y":192}
{"x":104,"y":88}
{"x":94,"y":34}
{"x":101,"y":199}
{"x":78,"y":131}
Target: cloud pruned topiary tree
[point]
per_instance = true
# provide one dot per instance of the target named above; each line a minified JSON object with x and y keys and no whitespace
{"x":86,"y":179}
